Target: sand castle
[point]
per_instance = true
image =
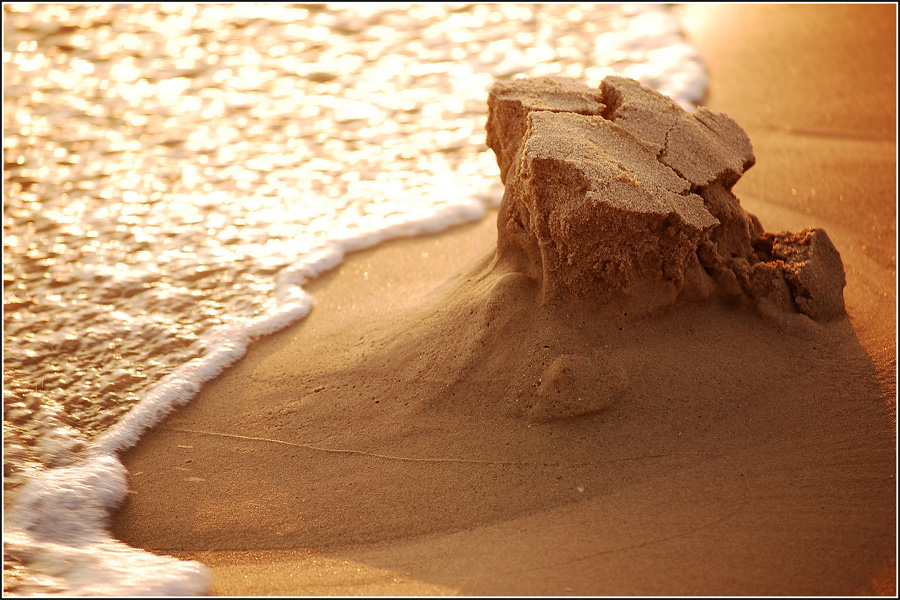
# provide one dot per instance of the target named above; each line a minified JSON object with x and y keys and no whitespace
{"x":618,"y":192}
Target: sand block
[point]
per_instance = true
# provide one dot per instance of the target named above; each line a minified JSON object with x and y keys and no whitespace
{"x":604,"y":211}
{"x":510,"y":103}
{"x":623,"y":194}
{"x":812,"y":268}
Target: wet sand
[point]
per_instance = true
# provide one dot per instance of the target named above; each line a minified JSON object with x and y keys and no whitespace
{"x":750,"y":456}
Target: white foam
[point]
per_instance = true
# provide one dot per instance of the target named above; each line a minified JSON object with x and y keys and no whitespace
{"x":58,"y":525}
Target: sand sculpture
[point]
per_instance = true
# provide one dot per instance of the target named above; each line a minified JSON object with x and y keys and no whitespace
{"x":618,"y":192}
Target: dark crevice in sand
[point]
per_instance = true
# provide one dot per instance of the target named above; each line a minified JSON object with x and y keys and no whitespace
{"x":661,"y":157}
{"x":613,"y":100}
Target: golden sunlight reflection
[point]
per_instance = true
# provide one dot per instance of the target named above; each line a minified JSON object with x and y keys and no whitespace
{"x":313,"y":574}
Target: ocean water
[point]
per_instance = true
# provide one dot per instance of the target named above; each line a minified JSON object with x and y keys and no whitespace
{"x":173,"y":175}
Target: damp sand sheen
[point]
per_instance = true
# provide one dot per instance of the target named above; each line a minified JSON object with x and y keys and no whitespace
{"x":616,"y":399}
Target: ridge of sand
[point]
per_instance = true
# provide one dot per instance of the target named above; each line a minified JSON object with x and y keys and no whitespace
{"x":744,"y":455}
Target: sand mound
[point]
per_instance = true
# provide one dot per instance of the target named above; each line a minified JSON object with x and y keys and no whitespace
{"x":618,"y":223}
{"x":618,"y":192}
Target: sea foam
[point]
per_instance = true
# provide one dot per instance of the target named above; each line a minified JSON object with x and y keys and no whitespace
{"x":59,"y":523}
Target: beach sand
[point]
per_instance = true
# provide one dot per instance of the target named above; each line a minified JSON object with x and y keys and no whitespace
{"x":369,"y":450}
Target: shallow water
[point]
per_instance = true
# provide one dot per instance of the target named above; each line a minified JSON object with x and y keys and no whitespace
{"x":173,"y":172}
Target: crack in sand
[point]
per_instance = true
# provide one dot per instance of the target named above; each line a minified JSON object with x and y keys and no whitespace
{"x":625,"y":548}
{"x":431,"y":460}
{"x":658,"y":540}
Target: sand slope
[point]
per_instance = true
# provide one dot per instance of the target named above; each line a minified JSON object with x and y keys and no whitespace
{"x":381,"y":447}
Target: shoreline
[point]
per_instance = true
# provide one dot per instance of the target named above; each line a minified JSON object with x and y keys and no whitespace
{"x":705,"y":512}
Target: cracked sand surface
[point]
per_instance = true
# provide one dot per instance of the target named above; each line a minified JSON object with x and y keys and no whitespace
{"x":619,"y":191}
